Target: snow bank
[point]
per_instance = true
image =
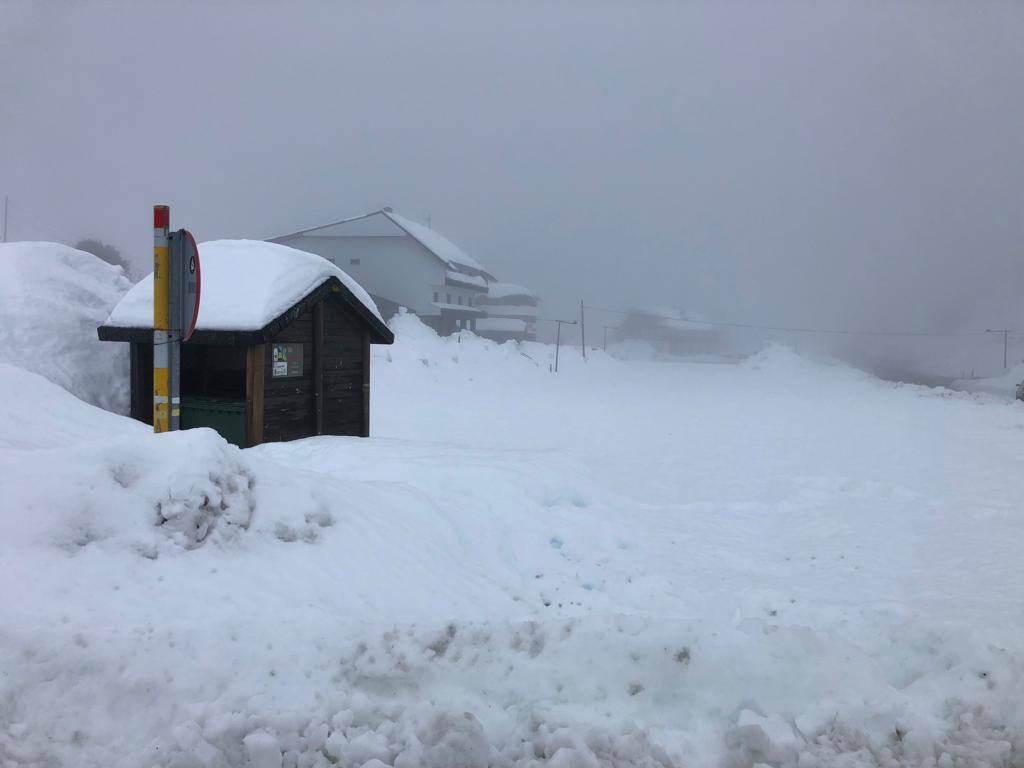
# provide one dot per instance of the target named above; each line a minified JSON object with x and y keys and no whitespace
{"x":1004,"y":385}
{"x":245,"y":285}
{"x":417,"y":344}
{"x":35,"y":413}
{"x":52,"y":298}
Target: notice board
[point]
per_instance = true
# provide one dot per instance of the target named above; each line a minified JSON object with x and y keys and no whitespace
{"x":286,"y":360}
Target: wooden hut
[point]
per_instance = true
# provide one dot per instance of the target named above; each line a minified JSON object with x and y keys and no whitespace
{"x":281,"y":348}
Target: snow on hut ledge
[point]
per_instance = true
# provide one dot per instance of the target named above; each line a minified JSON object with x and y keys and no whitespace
{"x":281,"y":348}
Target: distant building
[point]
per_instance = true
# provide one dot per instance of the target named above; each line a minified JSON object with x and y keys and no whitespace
{"x":511,"y":313}
{"x":670,"y":331}
{"x":402,"y":263}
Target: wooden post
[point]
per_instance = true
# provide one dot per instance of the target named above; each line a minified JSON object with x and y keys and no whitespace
{"x":318,"y":363}
{"x":558,"y":342}
{"x":255,"y":357}
{"x":366,"y":383}
{"x":583,"y":331}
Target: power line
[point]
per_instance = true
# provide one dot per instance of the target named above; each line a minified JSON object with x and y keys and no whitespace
{"x":833,"y":331}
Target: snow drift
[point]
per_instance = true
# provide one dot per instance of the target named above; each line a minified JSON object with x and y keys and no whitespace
{"x":52,"y":299}
{"x":1003,"y":385}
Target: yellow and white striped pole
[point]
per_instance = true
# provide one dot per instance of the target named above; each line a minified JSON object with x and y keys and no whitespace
{"x":161,"y":318}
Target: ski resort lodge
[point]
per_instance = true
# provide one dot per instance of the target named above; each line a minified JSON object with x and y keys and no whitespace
{"x":402,"y":263}
{"x":281,"y":348}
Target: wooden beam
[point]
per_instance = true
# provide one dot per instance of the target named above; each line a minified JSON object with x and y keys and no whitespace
{"x":255,"y":357}
{"x":366,"y":383}
{"x":318,"y":363}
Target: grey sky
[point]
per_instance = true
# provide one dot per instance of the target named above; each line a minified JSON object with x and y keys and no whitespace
{"x":851,"y":164}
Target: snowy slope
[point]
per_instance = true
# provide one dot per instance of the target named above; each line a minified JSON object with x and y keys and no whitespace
{"x":52,"y":298}
{"x":626,"y":564}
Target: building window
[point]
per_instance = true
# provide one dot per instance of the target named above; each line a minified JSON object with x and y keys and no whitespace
{"x":437,"y":297}
{"x":447,"y":298}
{"x":470,"y":301}
{"x":460,"y":300}
{"x":353,"y":262}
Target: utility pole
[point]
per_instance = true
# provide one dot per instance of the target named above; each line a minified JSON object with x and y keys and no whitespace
{"x":5,"y":218}
{"x":1006,"y":337}
{"x":605,"y":347}
{"x":583,"y":332}
{"x":558,"y":334}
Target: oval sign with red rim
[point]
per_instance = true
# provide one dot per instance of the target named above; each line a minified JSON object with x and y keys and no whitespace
{"x":190,"y":280}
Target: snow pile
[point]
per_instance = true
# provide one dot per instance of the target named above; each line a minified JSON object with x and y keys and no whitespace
{"x":77,"y":476}
{"x":35,"y":413}
{"x":245,"y":285}
{"x":52,"y":299}
{"x":1004,"y":385}
{"x":416,"y":344}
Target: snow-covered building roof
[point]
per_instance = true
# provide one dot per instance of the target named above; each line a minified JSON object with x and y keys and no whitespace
{"x":437,"y":244}
{"x":502,"y":290}
{"x":461,"y":278}
{"x":247,"y":285}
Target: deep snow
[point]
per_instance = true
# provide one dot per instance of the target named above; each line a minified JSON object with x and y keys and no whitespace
{"x":1004,"y":385}
{"x":52,"y":297}
{"x":626,"y":563}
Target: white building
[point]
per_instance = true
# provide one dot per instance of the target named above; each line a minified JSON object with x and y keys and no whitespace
{"x":402,"y":263}
{"x":512,"y":312}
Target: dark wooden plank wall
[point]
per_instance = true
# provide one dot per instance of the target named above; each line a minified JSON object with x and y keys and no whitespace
{"x":346,"y":352}
{"x":142,"y":382}
{"x":289,"y":405}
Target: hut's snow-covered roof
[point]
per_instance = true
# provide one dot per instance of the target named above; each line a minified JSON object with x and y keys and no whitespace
{"x":246,"y":284}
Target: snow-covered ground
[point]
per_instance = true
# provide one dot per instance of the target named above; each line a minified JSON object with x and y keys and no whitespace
{"x":624,"y":564}
{"x":1004,"y":385}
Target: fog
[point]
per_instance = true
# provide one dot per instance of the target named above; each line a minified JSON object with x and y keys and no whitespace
{"x":839,"y":165}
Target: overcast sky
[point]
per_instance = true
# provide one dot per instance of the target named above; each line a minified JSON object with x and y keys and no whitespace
{"x":851,"y":164}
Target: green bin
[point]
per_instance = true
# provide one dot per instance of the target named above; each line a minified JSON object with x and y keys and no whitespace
{"x":225,"y":416}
